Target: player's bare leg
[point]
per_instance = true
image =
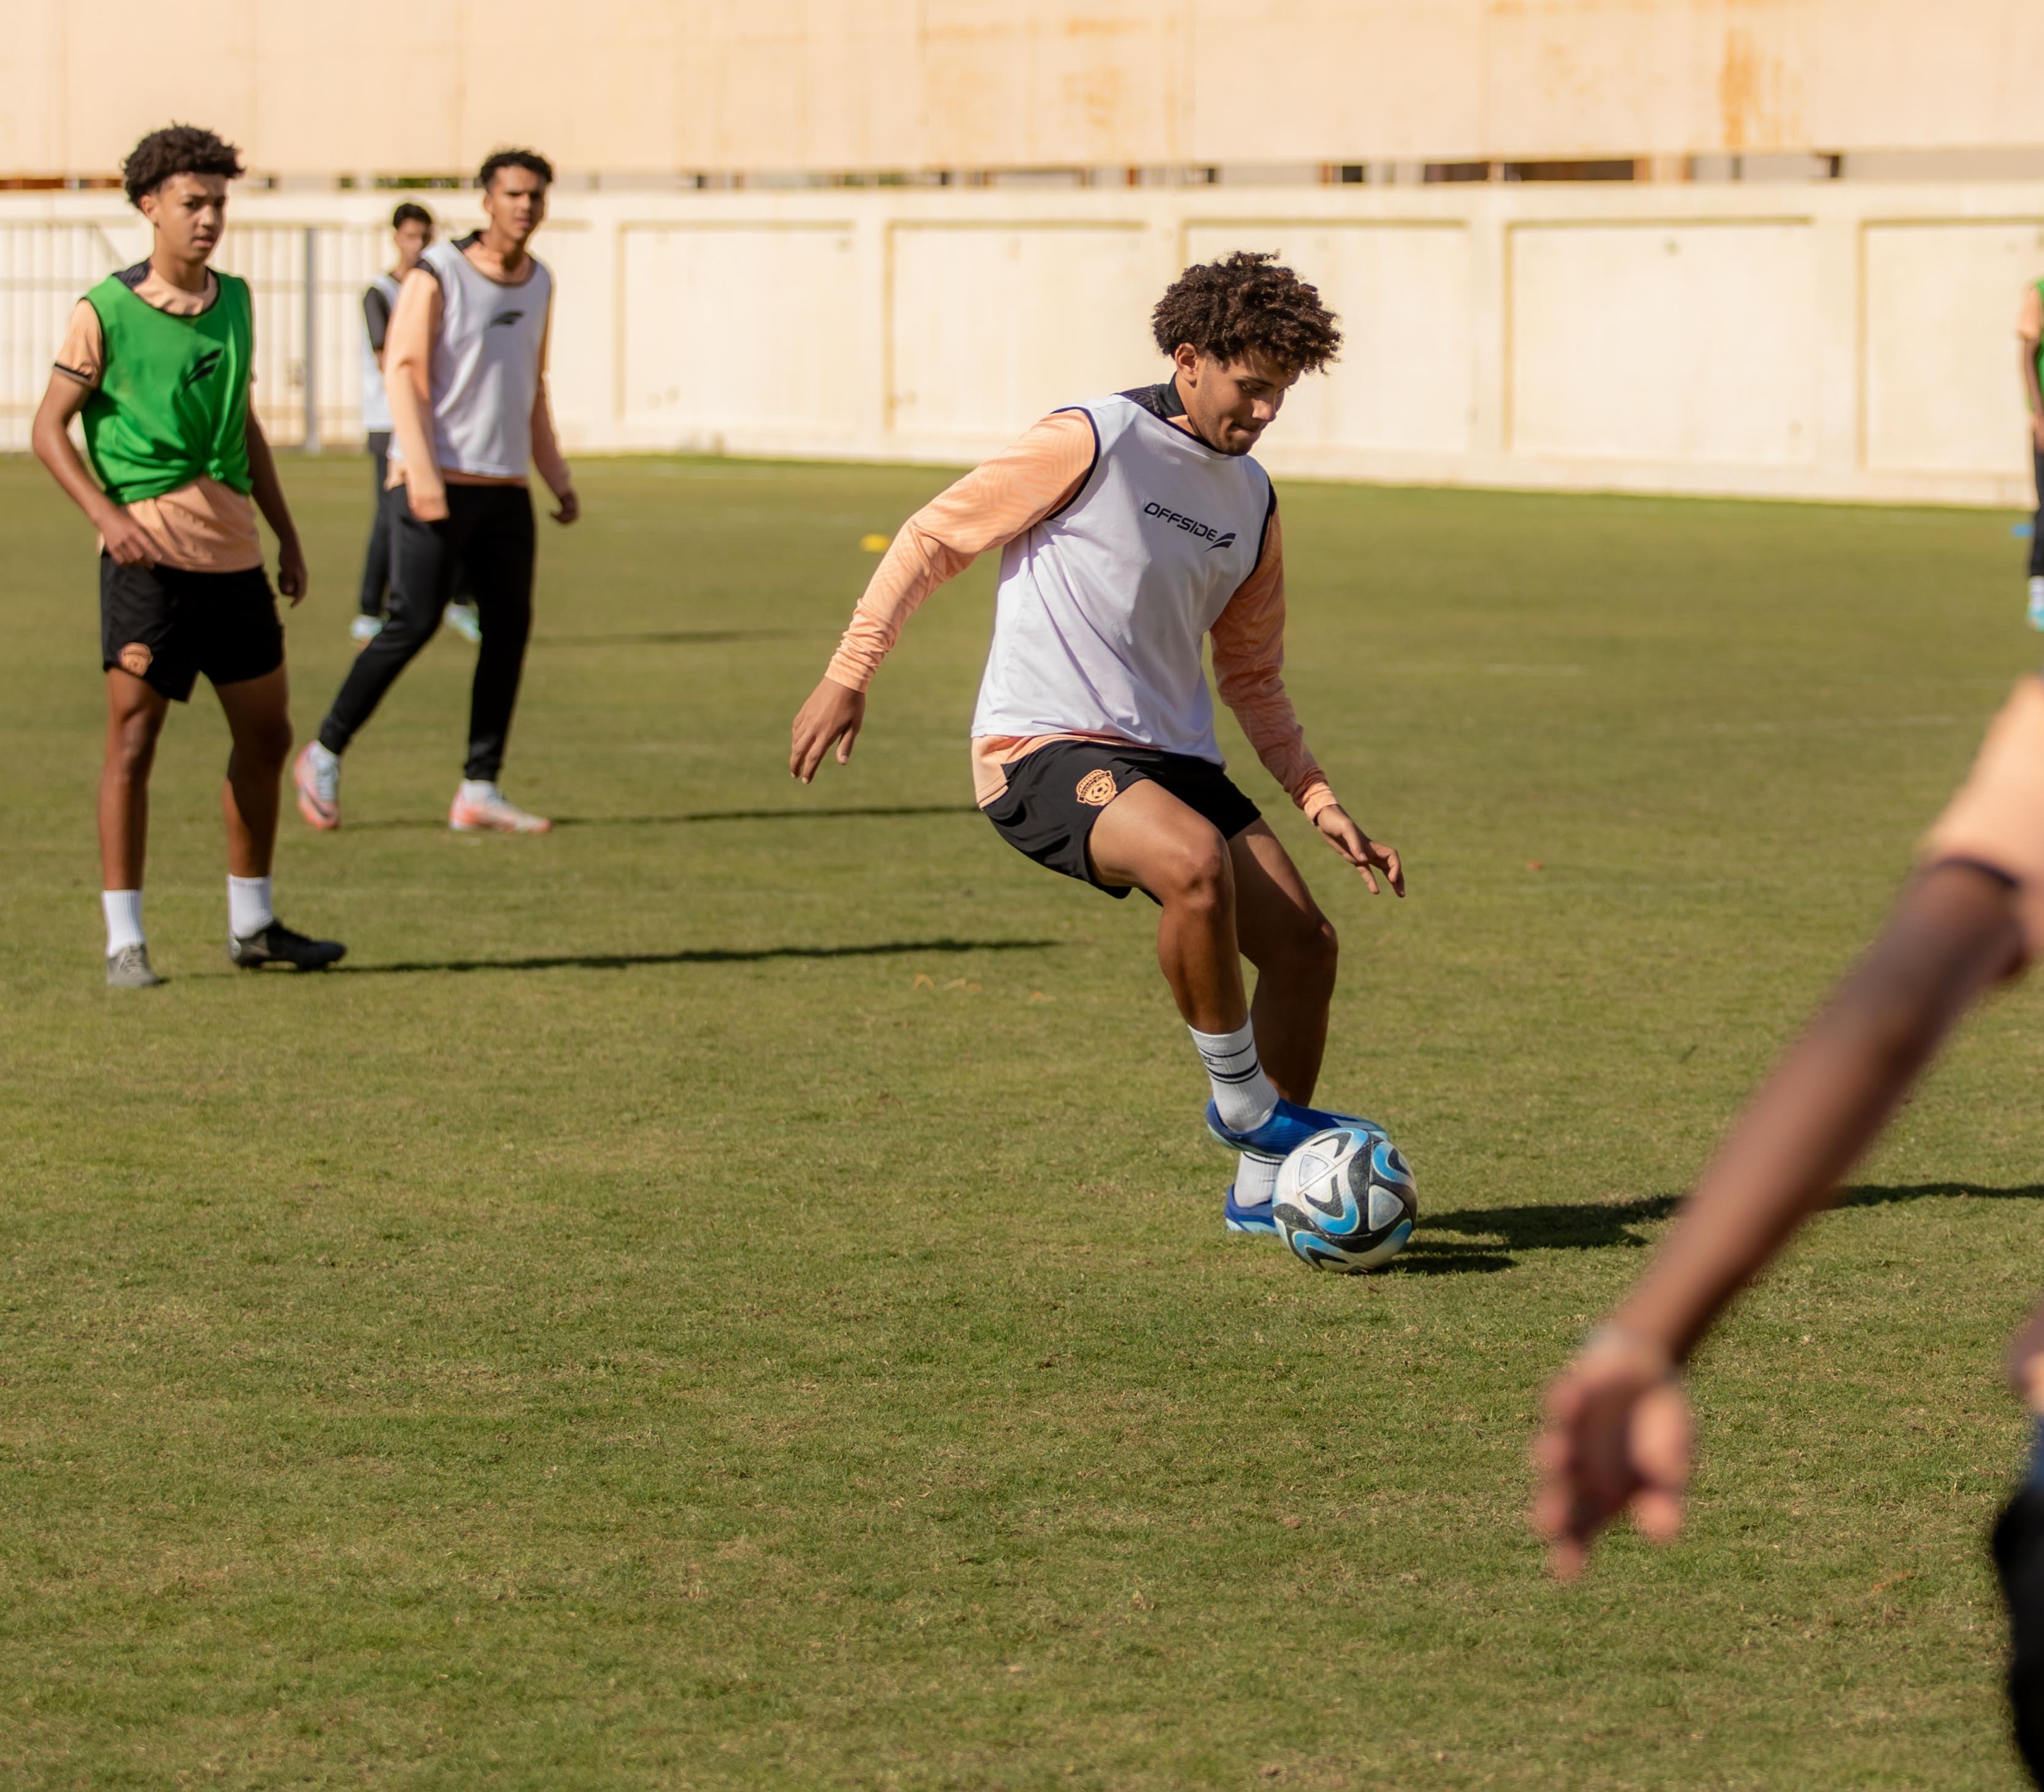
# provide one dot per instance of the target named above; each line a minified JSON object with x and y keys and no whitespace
{"x":258,"y":712}
{"x":135,"y":712}
{"x":1293,"y":947}
{"x":1219,"y":899}
{"x":1147,"y":839}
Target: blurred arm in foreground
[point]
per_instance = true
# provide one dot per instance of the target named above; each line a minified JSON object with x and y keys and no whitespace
{"x":1616,"y":1436}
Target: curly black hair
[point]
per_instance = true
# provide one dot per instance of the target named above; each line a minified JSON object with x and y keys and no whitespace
{"x":177,"y":149}
{"x":1247,"y":304}
{"x":531,"y":160}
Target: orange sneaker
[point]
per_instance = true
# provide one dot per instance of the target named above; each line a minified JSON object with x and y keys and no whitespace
{"x":318,"y":778}
{"x":492,"y":812}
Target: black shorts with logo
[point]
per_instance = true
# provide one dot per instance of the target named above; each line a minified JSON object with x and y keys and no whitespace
{"x":1055,"y":794}
{"x":167,"y":626}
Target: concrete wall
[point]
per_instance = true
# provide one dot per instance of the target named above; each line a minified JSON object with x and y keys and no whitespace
{"x":616,"y":86}
{"x":1836,"y":340}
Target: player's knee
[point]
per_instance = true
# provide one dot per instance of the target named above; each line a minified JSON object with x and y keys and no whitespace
{"x":1319,"y":946}
{"x":1196,"y":873}
{"x":268,"y":741}
{"x":133,"y":747}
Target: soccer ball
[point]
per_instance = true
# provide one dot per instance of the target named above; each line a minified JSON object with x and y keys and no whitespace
{"x":1346,"y":1200}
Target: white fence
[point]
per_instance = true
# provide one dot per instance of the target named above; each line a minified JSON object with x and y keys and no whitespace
{"x":1834,"y":341}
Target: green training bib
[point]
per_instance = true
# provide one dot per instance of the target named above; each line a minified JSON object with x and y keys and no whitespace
{"x":172,"y":404}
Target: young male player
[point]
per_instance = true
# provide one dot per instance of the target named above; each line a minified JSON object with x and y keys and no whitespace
{"x":159,"y":360}
{"x":464,"y":364}
{"x":1617,"y":1432}
{"x":411,"y":231}
{"x":1131,"y":527}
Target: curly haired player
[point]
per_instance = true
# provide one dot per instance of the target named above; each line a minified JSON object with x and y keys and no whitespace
{"x":156,"y":362}
{"x":1131,"y":527}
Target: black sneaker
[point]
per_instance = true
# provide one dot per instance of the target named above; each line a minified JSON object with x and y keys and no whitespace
{"x":277,"y":945}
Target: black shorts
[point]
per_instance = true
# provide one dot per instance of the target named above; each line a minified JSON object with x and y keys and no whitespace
{"x":1055,"y":794}
{"x":167,"y":626}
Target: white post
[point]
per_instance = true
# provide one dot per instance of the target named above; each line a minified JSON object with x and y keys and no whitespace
{"x":311,"y":340}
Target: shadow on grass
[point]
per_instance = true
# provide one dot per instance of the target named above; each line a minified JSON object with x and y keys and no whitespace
{"x":671,"y":638}
{"x":701,"y":955}
{"x":1429,"y":1256}
{"x":763,"y":814}
{"x":683,"y":820}
{"x":1595,"y":1226}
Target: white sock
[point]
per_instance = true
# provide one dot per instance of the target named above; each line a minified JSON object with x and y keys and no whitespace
{"x":1241,"y":1090}
{"x":481,"y":790}
{"x":248,"y":910}
{"x":124,"y":918}
{"x":1256,"y":1181}
{"x":322,"y":756}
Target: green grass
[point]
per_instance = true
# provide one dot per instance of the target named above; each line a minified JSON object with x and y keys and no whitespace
{"x":731,"y":1295}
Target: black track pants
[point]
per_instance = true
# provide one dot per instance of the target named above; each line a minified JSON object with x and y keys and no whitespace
{"x":487,"y":535}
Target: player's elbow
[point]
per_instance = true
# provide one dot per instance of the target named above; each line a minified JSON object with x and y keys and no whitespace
{"x":46,"y":438}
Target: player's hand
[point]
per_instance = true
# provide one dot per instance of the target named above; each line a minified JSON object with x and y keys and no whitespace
{"x":570,"y":507}
{"x":1368,"y":856}
{"x":428,"y":500}
{"x":832,"y":717}
{"x":291,"y":576}
{"x":1617,"y":1435}
{"x":2037,"y":431}
{"x":127,"y":541}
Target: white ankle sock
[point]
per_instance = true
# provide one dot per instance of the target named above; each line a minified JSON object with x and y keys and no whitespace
{"x":322,"y":756}
{"x":123,"y":909}
{"x":1241,"y":1090}
{"x":248,"y":910}
{"x":481,"y":790}
{"x":1256,"y":1181}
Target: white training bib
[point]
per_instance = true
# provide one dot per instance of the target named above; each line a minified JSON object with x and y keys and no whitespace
{"x":485,"y":366}
{"x":1103,"y":607}
{"x":375,"y":401}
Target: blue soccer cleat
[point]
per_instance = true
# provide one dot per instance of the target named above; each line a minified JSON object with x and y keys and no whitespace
{"x":1259,"y":1221}
{"x":1289,"y":1127}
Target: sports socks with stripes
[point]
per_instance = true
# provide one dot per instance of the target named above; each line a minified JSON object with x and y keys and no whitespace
{"x":1242,"y":1095}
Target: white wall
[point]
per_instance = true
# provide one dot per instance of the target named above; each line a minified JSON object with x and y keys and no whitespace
{"x":426,"y":86}
{"x":1838,"y":340}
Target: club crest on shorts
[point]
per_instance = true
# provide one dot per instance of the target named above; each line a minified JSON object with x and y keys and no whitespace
{"x":1096,"y":789}
{"x":134,"y":658}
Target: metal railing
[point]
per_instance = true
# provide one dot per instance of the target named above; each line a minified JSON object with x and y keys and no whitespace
{"x":306,"y":281}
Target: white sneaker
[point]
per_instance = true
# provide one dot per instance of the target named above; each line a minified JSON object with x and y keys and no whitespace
{"x":463,"y":620}
{"x":2037,"y":604}
{"x":316,"y":777}
{"x":365,"y":628}
{"x":488,"y":811}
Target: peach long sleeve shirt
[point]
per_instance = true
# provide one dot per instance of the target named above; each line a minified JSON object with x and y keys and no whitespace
{"x":1016,"y":491}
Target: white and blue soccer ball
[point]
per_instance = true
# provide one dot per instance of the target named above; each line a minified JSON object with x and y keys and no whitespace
{"x":1346,"y":1200}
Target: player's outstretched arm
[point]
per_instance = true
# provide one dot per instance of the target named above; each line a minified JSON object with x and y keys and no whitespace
{"x":1617,"y":1432}
{"x":268,"y":491}
{"x":832,"y":717}
{"x":999,"y":500}
{"x":126,"y":541}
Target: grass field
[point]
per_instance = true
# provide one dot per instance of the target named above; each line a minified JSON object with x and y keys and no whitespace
{"x":732,"y":1294}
